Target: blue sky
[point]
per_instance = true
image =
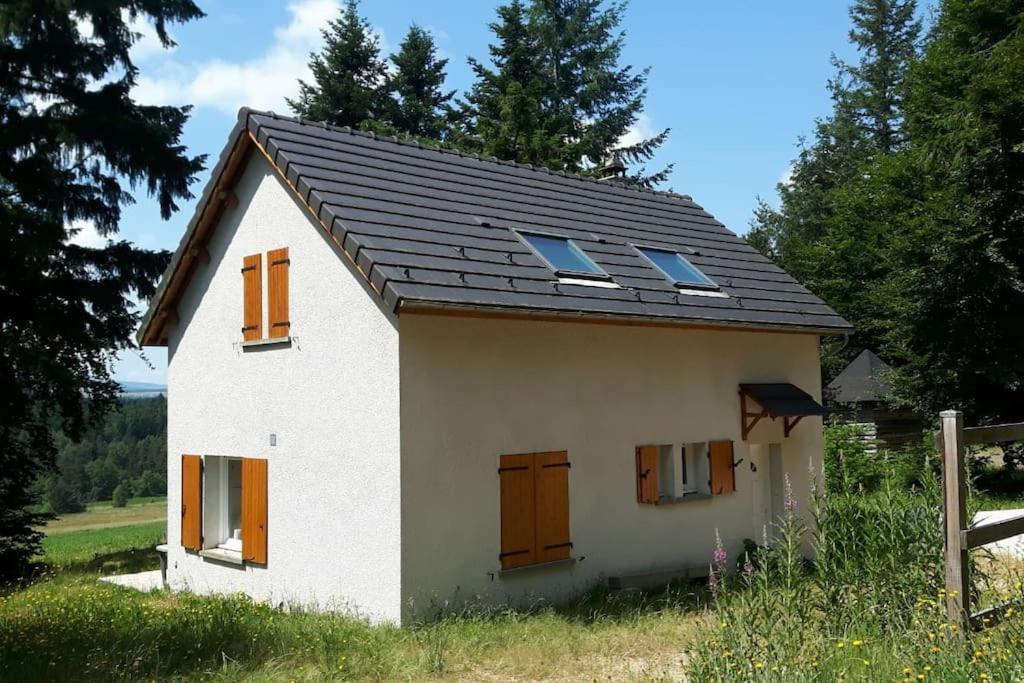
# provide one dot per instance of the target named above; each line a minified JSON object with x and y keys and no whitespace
{"x":738,"y":82}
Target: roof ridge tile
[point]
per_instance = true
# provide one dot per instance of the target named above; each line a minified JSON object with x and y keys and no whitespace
{"x":410,"y":141}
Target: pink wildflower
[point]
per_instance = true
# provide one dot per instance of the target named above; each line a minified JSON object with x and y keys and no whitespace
{"x":720,"y":556}
{"x":789,"y":502}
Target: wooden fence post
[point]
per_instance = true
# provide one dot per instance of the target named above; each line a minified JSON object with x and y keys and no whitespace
{"x":954,"y":484}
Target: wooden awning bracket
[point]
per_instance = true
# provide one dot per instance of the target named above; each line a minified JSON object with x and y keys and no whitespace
{"x":748,"y":419}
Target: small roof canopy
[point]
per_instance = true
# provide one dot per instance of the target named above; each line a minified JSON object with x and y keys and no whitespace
{"x":864,"y":380}
{"x":780,"y":399}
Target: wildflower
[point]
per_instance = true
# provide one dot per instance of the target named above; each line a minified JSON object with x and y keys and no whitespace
{"x":840,"y":645}
{"x":720,"y":555}
{"x":748,"y":567}
{"x":712,"y":578}
{"x":857,"y":643}
{"x":789,"y":502}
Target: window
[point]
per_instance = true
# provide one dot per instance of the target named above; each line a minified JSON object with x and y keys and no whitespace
{"x":534,"y":509}
{"x":224,"y":507}
{"x":223,"y":523}
{"x":667,"y":474}
{"x":695,"y":472}
{"x":676,"y":268}
{"x":278,"y":324}
{"x":563,"y":256}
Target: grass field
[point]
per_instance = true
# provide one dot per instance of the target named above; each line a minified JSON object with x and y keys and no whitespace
{"x":106,"y":539}
{"x":875,"y":618}
{"x":104,"y":515}
{"x":71,"y":626}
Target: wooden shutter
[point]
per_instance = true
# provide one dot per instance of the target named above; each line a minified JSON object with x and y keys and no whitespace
{"x":192,"y":502}
{"x":252,"y":297}
{"x":551,"y":476}
{"x":277,"y":292}
{"x":518,"y":513}
{"x":254,"y":510}
{"x":647,"y":475}
{"x":723,"y":474}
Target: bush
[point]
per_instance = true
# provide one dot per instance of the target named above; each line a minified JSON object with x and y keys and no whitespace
{"x":120,"y":496}
{"x":868,"y":607}
{"x":848,"y":465}
{"x":150,"y":483}
{"x":63,"y":499}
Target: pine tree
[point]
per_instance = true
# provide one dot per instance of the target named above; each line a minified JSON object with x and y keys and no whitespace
{"x":956,"y":294}
{"x":420,"y":105}
{"x":823,"y":233}
{"x":885,"y":33}
{"x":503,"y":111}
{"x":73,"y":144}
{"x":348,"y":74}
{"x":557,"y":95}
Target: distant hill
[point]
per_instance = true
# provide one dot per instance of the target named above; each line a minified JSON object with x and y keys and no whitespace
{"x":142,"y":388}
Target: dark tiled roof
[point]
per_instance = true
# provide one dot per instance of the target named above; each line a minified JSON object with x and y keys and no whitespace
{"x":863,"y":380}
{"x":432,"y":227}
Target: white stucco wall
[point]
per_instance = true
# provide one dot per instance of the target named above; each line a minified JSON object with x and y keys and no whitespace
{"x":473,"y":389}
{"x":331,"y":398}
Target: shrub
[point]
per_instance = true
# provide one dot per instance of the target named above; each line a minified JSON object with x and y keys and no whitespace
{"x":120,"y":496}
{"x":150,"y":483}
{"x":63,"y":499}
{"x":868,"y":607}
{"x":848,"y":465}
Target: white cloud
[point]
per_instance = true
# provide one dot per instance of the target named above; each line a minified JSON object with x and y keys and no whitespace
{"x":642,"y":129}
{"x":86,"y":235}
{"x":262,"y":82}
{"x":147,"y":43}
{"x":786,"y":178}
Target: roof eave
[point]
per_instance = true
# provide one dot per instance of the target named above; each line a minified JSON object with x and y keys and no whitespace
{"x":426,"y":307}
{"x":216,"y":194}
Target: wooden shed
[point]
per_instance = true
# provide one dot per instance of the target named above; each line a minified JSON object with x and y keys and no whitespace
{"x":860,"y":395}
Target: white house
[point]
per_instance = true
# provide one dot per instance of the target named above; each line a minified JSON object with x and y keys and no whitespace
{"x":401,"y":378}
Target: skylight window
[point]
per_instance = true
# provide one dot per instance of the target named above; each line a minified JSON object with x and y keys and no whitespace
{"x":564,"y":257}
{"x":678,"y":269}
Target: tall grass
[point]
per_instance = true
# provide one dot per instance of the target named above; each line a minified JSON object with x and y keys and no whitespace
{"x":74,"y":628}
{"x":869,"y":605}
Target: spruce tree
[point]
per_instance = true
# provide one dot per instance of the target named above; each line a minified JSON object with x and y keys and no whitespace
{"x":956,"y":294}
{"x":822,"y":233}
{"x":503,"y":112}
{"x":420,"y":105}
{"x":348,"y":74}
{"x":73,"y":144}
{"x":556,"y":94}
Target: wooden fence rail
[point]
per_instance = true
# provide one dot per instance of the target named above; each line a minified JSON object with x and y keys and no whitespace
{"x":960,"y":536}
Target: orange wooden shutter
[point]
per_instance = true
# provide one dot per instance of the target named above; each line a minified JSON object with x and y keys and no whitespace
{"x":518,"y":528}
{"x":252,"y":297}
{"x":551,"y":477}
{"x":647,"y":474}
{"x":254,"y":510}
{"x":277,"y":292}
{"x":192,"y":502}
{"x":723,"y":474}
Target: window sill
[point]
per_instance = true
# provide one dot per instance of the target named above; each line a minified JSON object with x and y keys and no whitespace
{"x":263,"y":343}
{"x":543,"y":565}
{"x":684,"y":499}
{"x":587,"y":282}
{"x":690,"y":290}
{"x":221,"y":555}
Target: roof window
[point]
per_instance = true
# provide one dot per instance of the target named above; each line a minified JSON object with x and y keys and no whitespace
{"x":562,"y":256}
{"x":680,"y":271}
